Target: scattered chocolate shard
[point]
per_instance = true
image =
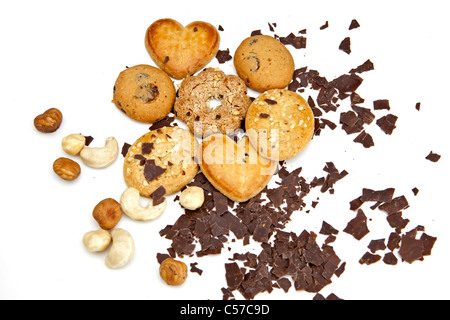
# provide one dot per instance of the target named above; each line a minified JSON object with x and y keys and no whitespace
{"x":396,"y":205}
{"x":233,"y":275}
{"x":347,"y":82}
{"x":345,"y":45}
{"x":376,"y":245}
{"x":256,"y":33}
{"x":385,"y":195}
{"x":324,"y":26}
{"x":89,"y":140}
{"x":158,"y":195}
{"x":125,"y":148}
{"x":298,"y":42}
{"x":396,"y":221}
{"x":151,"y":171}
{"x":387,"y":123}
{"x":382,"y":104}
{"x":365,"y":139}
{"x":327,"y":229}
{"x":168,"y":121}
{"x":390,"y":259}
{"x":354,"y":24}
{"x":195,"y":269}
{"x":357,"y":227}
{"x":433,"y":157}
{"x":366,"y":66}
{"x":223,"y":56}
{"x":394,"y":241}
{"x":418,"y":106}
{"x":411,"y":249}
{"x":415,"y":191}
{"x":369,"y":258}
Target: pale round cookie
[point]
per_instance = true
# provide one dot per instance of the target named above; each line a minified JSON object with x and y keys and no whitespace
{"x":164,"y":157}
{"x":144,"y":93}
{"x":279,"y":124}
{"x":264,"y":63}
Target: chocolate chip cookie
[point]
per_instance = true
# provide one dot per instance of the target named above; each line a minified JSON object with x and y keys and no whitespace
{"x":144,"y":93}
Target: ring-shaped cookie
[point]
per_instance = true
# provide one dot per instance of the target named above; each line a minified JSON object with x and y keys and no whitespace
{"x":194,"y":97}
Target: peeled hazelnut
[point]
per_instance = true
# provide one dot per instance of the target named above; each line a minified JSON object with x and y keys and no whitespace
{"x":107,"y":213}
{"x":173,"y":272}
{"x":192,"y":198}
{"x":73,"y":143}
{"x":49,"y":121}
{"x":66,"y":168}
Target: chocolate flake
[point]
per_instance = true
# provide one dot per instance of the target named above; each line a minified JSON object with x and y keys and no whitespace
{"x":433,"y":157}
{"x":369,"y":258}
{"x":365,"y":139}
{"x":357,"y":227}
{"x":381,"y":104}
{"x":353,"y":25}
{"x":376,"y":245}
{"x":264,"y":115}
{"x":345,"y":45}
{"x":125,"y":148}
{"x":151,"y":171}
{"x":147,"y":148}
{"x":270,"y":101}
{"x":223,"y":56}
{"x":158,"y":195}
{"x":387,"y":123}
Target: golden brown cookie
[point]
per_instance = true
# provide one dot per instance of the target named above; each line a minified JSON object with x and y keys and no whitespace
{"x":144,"y":93}
{"x":280,"y":124}
{"x":194,"y":97}
{"x":264,"y":63}
{"x":181,"y":51}
{"x":235,"y":169}
{"x":163,"y":157}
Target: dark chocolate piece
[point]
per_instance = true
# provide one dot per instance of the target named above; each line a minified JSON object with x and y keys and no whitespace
{"x":357,"y":227}
{"x":151,"y":171}
{"x":345,"y":45}
{"x":433,"y":157}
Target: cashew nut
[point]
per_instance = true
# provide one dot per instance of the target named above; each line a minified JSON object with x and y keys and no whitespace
{"x":122,"y":249}
{"x":97,"y":241}
{"x":129,"y":201}
{"x":101,"y":157}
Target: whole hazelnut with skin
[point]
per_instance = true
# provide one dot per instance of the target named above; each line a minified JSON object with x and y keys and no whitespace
{"x":66,"y":169}
{"x":49,"y":121}
{"x":107,"y":213}
{"x":173,"y":272}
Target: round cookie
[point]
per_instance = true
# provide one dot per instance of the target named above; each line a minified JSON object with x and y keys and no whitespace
{"x":144,"y":93}
{"x":279,"y":124}
{"x":194,"y":97}
{"x":264,"y":63}
{"x":163,"y":157}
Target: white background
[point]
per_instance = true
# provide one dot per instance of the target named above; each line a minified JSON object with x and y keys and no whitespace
{"x":67,"y":54}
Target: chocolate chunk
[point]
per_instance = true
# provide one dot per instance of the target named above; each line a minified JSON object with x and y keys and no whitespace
{"x":357,"y":227}
{"x":366,"y":66}
{"x":364,"y":114}
{"x":223,"y":56}
{"x":415,"y":191}
{"x":387,"y":123}
{"x":264,"y":115}
{"x":394,"y":206}
{"x":365,"y":139}
{"x":324,"y":26}
{"x":220,"y":202}
{"x":256,"y":33}
{"x":233,"y":275}
{"x":125,"y":148}
{"x":298,"y":42}
{"x":166,"y":122}
{"x":411,"y":249}
{"x":394,"y":241}
{"x":379,"y":196}
{"x":158,"y":195}
{"x":327,"y":229}
{"x":194,"y":268}
{"x":428,"y":243}
{"x":151,"y":171}
{"x":347,"y":82}
{"x":270,"y":101}
{"x":418,"y":106}
{"x":345,"y":45}
{"x":369,"y":258}
{"x":353,"y":25}
{"x":433,"y":157}
{"x":381,"y":104}
{"x":376,"y":245}
{"x":396,"y":221}
{"x":390,"y":259}
{"x":147,"y":148}
{"x":88,"y":141}
{"x":166,"y":59}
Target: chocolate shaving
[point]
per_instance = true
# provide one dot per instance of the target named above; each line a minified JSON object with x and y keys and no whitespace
{"x":382,"y":104}
{"x":270,"y":101}
{"x":387,"y":123}
{"x":433,"y":157}
{"x":365,"y":139}
{"x":158,"y":195}
{"x":357,"y":227}
{"x":223,"y":56}
{"x":353,"y":25}
{"x":147,"y":148}
{"x":125,"y":148}
{"x":345,"y":45}
{"x":151,"y":171}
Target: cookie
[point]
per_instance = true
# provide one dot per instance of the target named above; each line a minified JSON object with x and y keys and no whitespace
{"x":163,"y":157}
{"x":264,"y":63}
{"x":280,"y":124}
{"x":235,"y":169}
{"x":195,"y":94}
{"x":144,"y":93}
{"x":181,"y":51}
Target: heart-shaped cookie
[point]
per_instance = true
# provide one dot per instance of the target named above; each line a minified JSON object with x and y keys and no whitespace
{"x":181,"y":51}
{"x":235,"y":169}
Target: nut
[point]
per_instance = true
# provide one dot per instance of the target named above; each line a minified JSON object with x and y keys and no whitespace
{"x":49,"y":121}
{"x":107,"y":213}
{"x":73,"y":143}
{"x":173,"y":272}
{"x":122,"y":249}
{"x":101,"y":157}
{"x":96,"y":241}
{"x":130,"y":204}
{"x":66,"y":168}
{"x":192,"y":198}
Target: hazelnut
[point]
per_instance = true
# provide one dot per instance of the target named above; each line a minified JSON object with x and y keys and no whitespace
{"x":73,"y":143}
{"x":192,"y":198}
{"x":173,"y":272}
{"x":66,"y":168}
{"x":49,"y":121}
{"x":107,"y":213}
